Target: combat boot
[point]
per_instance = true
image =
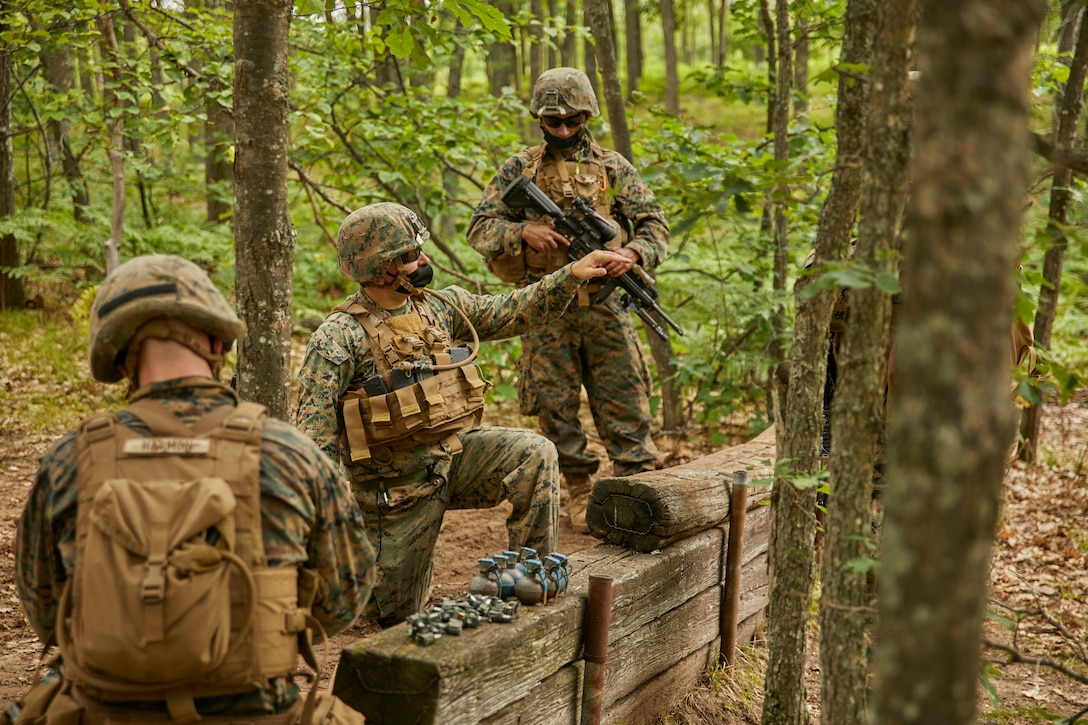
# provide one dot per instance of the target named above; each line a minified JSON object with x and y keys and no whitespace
{"x":578,"y":486}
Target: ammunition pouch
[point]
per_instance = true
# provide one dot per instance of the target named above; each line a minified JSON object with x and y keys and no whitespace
{"x":427,"y":411}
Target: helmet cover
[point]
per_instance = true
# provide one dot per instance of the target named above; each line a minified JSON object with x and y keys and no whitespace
{"x":563,"y":92}
{"x":152,"y":287}
{"x":372,"y":237}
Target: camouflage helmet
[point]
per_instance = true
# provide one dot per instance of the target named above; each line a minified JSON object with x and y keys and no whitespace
{"x":370,"y":239}
{"x":563,"y":92}
{"x":151,"y":287}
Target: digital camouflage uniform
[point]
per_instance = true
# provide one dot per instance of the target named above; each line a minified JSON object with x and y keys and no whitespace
{"x":591,"y":345}
{"x":405,"y":491}
{"x":308,"y":518}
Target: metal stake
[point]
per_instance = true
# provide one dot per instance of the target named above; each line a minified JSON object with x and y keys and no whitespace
{"x":738,"y":509}
{"x":598,"y":620}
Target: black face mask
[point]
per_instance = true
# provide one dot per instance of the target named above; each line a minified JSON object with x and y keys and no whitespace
{"x":563,"y":143}
{"x":419,"y":279}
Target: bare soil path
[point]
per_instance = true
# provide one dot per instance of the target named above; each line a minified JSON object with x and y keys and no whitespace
{"x":1041,"y":561}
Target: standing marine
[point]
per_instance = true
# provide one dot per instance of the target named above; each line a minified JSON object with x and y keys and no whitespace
{"x":389,"y":390}
{"x":593,"y":345}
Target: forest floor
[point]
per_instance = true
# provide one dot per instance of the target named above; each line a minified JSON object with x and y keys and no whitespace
{"x":1040,"y":563}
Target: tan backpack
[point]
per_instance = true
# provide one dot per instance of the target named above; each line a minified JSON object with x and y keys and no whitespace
{"x":172,"y":598}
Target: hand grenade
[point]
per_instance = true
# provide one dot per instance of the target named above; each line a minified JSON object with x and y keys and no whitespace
{"x":486,"y":583}
{"x":533,"y":587}
{"x":512,"y":565}
{"x":505,"y":577}
{"x":527,"y":552}
{"x":557,"y":575}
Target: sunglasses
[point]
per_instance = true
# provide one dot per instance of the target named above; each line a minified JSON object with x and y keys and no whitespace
{"x":411,"y":255}
{"x":557,"y":122}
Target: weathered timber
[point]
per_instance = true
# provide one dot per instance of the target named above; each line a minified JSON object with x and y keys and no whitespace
{"x":639,"y":657}
{"x":647,"y":511}
{"x":665,"y":688}
{"x":468,"y":679}
{"x":555,"y":701}
{"x":664,"y":632}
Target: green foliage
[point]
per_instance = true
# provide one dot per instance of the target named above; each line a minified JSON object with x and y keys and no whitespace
{"x":989,"y":671}
{"x":47,"y":356}
{"x":373,"y":118}
{"x":851,"y":274}
{"x":863,"y":565}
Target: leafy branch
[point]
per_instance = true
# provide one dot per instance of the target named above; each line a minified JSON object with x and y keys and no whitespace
{"x":157,"y":42}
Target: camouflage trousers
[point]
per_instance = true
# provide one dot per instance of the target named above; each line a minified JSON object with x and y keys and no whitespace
{"x":403,"y":515}
{"x":595,"y":346}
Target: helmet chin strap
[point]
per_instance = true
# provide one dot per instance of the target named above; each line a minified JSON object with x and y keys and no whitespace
{"x":412,"y":284}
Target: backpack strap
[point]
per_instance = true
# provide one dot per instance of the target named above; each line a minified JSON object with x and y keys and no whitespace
{"x":164,"y":423}
{"x":239,"y":462}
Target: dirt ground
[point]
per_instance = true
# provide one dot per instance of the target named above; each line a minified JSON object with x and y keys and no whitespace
{"x":1041,"y":560}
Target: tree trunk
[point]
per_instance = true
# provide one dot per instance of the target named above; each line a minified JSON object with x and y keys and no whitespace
{"x":263,"y":235}
{"x":218,"y":170}
{"x":133,"y":149}
{"x":590,"y":49}
{"x":85,"y":63}
{"x":570,"y":40}
{"x":858,"y":410}
{"x":723,"y":34}
{"x":687,"y":41}
{"x":117,"y":141}
{"x":1061,"y":197}
{"x":766,"y":221}
{"x":450,"y":180}
{"x":385,"y":65}
{"x":780,"y":127}
{"x":664,"y":357}
{"x":951,"y":416}
{"x":12,"y":295}
{"x":551,"y":57}
{"x":632,"y":22}
{"x":457,"y":65}
{"x":57,"y":64}
{"x":502,"y":58}
{"x":672,"y":82}
{"x":1071,"y":10}
{"x":800,"y":67}
{"x":793,"y":506}
{"x":599,"y":20}
{"x":536,"y":35}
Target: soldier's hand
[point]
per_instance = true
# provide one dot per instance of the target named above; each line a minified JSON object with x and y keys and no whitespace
{"x":598,"y":263}
{"x":615,"y":269}
{"x":542,"y":237}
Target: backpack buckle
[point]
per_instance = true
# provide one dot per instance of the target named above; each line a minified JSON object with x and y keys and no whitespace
{"x":154,"y":584}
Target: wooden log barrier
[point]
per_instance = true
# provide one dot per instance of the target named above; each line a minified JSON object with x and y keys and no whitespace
{"x":663,"y":634}
{"x":650,"y":510}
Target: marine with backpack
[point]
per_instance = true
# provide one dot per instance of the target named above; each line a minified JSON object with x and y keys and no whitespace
{"x":182,"y":552}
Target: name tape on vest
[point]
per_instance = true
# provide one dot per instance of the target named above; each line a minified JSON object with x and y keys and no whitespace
{"x":168,"y":446}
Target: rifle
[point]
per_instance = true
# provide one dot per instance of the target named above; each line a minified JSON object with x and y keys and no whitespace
{"x":586,"y":230}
